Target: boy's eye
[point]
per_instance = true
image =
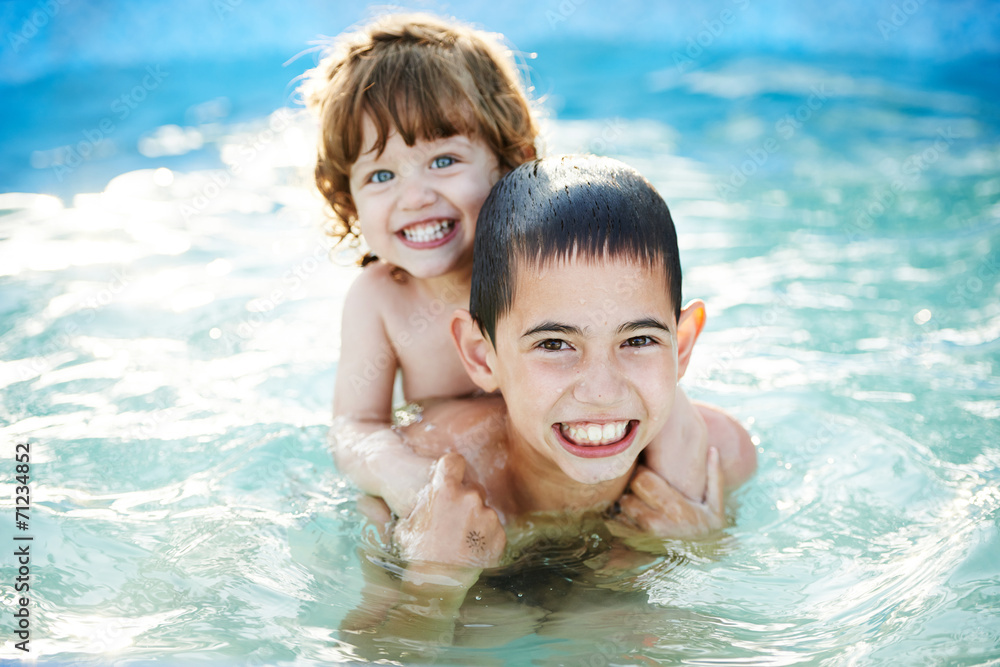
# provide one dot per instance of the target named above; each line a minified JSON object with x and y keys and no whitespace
{"x":553,"y":345}
{"x":443,"y":161}
{"x":380,"y":176}
{"x":639,"y":341}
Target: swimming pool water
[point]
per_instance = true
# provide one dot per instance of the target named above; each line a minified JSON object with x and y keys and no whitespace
{"x":169,"y":345}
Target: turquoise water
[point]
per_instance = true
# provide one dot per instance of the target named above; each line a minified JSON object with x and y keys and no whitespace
{"x":170,"y":340}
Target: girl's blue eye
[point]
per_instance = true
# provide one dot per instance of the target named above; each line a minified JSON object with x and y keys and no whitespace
{"x":639,"y":341}
{"x":443,"y":161}
{"x":381,"y":176}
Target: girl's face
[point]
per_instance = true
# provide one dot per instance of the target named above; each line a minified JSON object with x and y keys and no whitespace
{"x":417,"y":205}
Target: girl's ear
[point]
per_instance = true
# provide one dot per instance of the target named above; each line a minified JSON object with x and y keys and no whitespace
{"x":689,"y":326}
{"x":475,"y":350}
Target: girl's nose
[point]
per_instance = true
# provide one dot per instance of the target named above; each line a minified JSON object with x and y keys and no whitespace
{"x":416,"y":194}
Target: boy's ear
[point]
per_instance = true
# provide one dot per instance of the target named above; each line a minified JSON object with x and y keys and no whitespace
{"x":475,"y":351}
{"x":689,"y":326}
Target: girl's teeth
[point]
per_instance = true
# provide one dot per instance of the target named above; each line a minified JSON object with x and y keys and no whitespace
{"x":594,"y":434}
{"x":432,"y":231}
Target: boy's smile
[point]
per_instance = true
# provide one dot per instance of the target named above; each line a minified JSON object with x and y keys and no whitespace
{"x":596,"y":439}
{"x":586,"y":360}
{"x":417,"y":205}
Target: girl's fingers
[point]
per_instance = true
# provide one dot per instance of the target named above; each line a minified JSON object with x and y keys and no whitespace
{"x":450,"y":468}
{"x":635,"y":513}
{"x":656,"y":491}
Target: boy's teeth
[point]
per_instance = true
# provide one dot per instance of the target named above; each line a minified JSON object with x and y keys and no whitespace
{"x":583,"y":433}
{"x":430,"y":231}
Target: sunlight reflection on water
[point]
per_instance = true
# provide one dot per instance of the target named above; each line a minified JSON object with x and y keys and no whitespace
{"x":170,"y":345}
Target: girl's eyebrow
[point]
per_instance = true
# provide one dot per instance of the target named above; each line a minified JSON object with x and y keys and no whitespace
{"x":359,"y":167}
{"x":552,"y":327}
{"x":645,"y":323}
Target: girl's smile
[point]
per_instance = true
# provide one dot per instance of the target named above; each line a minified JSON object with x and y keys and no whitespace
{"x":417,"y":205}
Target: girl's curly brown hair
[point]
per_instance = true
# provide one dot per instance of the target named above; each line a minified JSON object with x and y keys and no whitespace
{"x":422,"y":77}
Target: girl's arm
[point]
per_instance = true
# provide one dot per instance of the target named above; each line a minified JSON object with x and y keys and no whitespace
{"x":678,"y":493}
{"x":364,"y":445}
{"x":701,"y":453}
{"x":446,"y":542}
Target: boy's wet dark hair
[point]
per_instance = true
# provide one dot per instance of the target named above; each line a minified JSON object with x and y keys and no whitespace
{"x":562,"y":207}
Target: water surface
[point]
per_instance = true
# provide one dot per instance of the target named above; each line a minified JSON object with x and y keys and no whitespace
{"x":170,"y":341}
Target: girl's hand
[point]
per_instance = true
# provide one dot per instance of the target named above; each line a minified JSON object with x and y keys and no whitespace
{"x":653,"y":507}
{"x":451,"y":523}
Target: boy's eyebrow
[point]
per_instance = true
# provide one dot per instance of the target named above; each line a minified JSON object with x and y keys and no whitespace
{"x":552,"y":327}
{"x":645,"y":323}
{"x":555,"y":327}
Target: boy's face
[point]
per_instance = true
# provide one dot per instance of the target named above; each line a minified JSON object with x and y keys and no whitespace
{"x":587,"y":362}
{"x":417,"y":205}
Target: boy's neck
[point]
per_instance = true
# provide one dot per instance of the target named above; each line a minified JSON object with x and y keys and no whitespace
{"x":537,"y":484}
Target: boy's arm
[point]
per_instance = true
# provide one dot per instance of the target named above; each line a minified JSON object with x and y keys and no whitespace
{"x":364,"y":446}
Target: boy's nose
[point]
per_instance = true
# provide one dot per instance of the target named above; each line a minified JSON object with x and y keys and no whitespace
{"x":600,"y":383}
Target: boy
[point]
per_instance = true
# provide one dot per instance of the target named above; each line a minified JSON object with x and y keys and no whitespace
{"x":575,"y":319}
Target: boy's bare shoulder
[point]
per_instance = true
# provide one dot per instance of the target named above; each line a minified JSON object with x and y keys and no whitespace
{"x":737,"y":451}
